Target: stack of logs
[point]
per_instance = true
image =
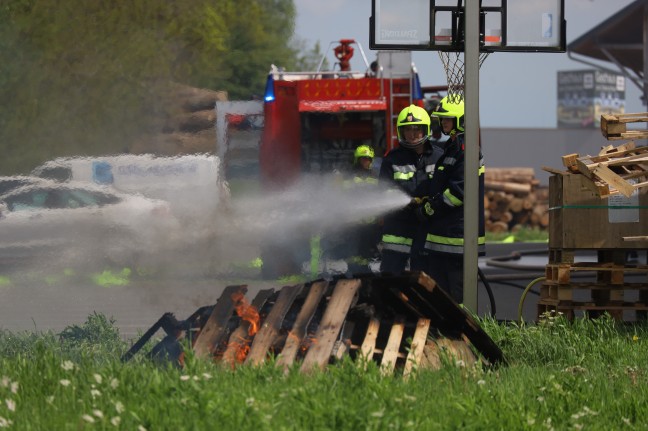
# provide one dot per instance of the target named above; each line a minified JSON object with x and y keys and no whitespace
{"x":514,"y":199}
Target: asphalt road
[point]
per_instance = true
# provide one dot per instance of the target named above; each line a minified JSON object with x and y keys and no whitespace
{"x":50,"y":299}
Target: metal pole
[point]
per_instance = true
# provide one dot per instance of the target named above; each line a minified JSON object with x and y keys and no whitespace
{"x":471,"y":192}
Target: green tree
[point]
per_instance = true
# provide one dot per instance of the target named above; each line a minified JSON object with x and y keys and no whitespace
{"x":89,"y":76}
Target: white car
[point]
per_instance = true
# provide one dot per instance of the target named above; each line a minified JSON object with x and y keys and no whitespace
{"x":78,"y":218}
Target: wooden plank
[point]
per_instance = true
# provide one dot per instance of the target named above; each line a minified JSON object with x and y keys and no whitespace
{"x":369,"y":343}
{"x":390,"y":354}
{"x":215,"y":329}
{"x":418,"y":344}
{"x":338,"y":306}
{"x":240,"y":335}
{"x":606,"y":174}
{"x":298,"y":331}
{"x":272,"y":325}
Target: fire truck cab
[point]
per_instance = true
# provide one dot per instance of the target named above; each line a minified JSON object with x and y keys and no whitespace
{"x":315,"y":120}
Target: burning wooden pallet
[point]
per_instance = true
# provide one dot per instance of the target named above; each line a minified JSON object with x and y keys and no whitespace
{"x":399,"y":322}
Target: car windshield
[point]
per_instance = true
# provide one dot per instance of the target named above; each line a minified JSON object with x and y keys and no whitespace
{"x":58,"y":199}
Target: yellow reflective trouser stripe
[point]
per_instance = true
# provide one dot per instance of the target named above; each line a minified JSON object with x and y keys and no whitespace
{"x":482,"y":170}
{"x":393,"y":239}
{"x":403,"y":175}
{"x":453,"y":199}
{"x":451,"y":241}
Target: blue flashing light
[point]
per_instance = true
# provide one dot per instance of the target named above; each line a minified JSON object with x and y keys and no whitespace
{"x":269,"y":95}
{"x":417,"y":91}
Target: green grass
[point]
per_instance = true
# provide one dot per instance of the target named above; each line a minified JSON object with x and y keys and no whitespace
{"x":525,"y":234}
{"x":589,"y":374}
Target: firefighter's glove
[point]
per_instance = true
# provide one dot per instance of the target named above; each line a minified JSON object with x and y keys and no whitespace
{"x":424,"y":212}
{"x":415,"y":203}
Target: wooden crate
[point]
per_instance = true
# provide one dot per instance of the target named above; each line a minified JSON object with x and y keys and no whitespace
{"x":580,"y":219}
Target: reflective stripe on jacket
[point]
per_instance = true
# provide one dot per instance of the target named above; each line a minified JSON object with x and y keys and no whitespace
{"x":445,"y":231}
{"x":404,"y":169}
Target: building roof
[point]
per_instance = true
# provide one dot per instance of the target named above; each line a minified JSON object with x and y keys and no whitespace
{"x":619,"y":39}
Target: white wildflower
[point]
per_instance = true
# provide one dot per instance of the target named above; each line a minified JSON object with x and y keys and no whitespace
{"x":119,"y":407}
{"x":97,"y":378}
{"x":95,"y":393}
{"x":65,"y":382}
{"x":195,"y":378}
{"x":11,"y":405}
{"x":5,"y":381}
{"x":5,"y":423}
{"x":50,"y":399}
{"x":460,"y":363}
{"x":67,"y":365}
{"x":249,"y":402}
{"x":530,"y":420}
{"x":140,"y":428}
{"x":184,"y":377}
{"x":626,"y":421}
{"x":114,"y":383}
{"x":88,"y":418}
{"x":98,"y":413}
{"x":115,"y":421}
{"x":481,"y":382}
{"x":540,"y":399}
{"x":207,"y":376}
{"x":378,"y":414}
{"x":14,"y":387}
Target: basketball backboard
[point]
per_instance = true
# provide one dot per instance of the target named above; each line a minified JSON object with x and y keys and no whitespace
{"x":437,"y":25}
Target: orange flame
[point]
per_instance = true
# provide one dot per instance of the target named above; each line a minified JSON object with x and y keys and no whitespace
{"x":247,"y":312}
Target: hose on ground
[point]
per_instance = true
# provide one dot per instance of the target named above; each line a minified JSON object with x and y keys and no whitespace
{"x":524,"y":294}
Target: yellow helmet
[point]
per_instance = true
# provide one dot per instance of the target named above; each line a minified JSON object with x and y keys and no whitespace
{"x":451,"y":109}
{"x":362,"y":151}
{"x":413,"y":116}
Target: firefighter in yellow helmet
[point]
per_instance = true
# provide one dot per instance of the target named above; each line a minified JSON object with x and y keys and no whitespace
{"x":409,"y":167}
{"x":357,"y":243}
{"x":441,"y":211}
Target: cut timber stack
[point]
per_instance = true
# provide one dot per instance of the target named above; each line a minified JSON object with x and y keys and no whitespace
{"x":599,"y":204}
{"x":514,"y":199}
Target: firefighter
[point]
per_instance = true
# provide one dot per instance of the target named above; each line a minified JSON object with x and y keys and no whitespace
{"x":409,"y":167}
{"x":442,"y":210}
{"x":358,"y":244}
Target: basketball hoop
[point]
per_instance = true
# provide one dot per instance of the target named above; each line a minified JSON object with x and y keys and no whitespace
{"x":453,"y":64}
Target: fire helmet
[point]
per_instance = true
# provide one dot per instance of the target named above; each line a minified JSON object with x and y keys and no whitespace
{"x":362,"y":151}
{"x":413,"y":116}
{"x":451,"y":109}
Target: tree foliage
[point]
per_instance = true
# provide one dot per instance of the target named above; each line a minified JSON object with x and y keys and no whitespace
{"x":89,"y":76}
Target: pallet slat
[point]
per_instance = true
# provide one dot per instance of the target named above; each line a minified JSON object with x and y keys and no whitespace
{"x":319,"y":353}
{"x":298,"y":331}
{"x":241,"y":333}
{"x":214,"y":331}
{"x":418,"y":344}
{"x":390,"y":354}
{"x":272,"y":325}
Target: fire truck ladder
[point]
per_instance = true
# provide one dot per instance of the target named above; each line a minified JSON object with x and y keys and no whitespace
{"x":393,"y":96}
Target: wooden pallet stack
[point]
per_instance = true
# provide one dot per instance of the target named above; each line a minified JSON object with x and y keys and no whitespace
{"x":401,"y":323}
{"x":599,"y":205}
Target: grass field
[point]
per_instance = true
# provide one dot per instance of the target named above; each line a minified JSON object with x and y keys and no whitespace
{"x":589,"y":374}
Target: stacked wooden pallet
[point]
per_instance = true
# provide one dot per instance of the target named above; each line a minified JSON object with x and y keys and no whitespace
{"x":607,"y":285}
{"x":599,"y":205}
{"x":514,"y":199}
